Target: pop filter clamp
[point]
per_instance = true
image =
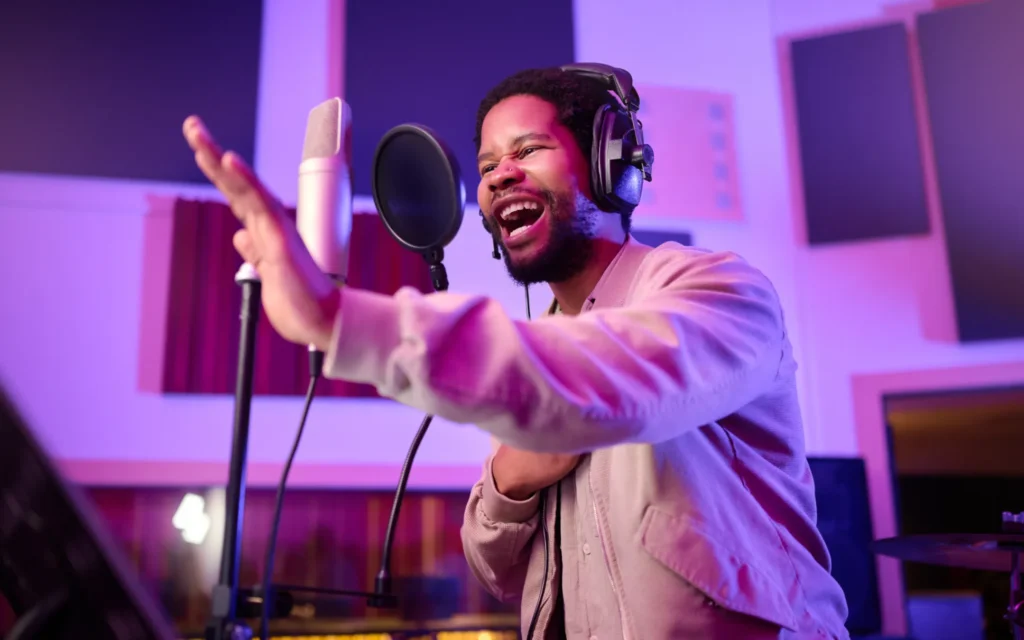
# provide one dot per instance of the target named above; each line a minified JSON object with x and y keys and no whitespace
{"x":421,"y":199}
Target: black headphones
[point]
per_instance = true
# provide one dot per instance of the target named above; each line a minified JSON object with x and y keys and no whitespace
{"x":620,"y":160}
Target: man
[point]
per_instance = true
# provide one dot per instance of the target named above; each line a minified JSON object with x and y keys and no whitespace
{"x":653,"y":413}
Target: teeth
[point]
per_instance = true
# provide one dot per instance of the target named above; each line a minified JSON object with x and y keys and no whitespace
{"x":507,"y":212}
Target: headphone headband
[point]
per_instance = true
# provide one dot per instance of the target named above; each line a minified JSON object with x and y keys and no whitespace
{"x":620,"y":160}
{"x":618,"y":80}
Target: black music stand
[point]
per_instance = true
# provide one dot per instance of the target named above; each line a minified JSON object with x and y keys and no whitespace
{"x":59,"y":568}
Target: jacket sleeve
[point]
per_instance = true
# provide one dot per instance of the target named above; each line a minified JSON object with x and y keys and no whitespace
{"x":496,"y":536}
{"x":702,"y":336}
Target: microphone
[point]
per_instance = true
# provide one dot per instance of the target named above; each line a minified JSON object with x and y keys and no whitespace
{"x":324,"y":210}
{"x":323,"y":217}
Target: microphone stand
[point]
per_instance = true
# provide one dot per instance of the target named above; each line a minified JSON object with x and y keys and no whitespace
{"x":223,"y":623}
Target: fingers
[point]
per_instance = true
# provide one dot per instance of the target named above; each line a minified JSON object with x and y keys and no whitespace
{"x":246,"y":195}
{"x":208,"y":152}
{"x":244,"y":246}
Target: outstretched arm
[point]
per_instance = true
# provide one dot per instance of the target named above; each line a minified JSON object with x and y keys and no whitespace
{"x":705,"y":339}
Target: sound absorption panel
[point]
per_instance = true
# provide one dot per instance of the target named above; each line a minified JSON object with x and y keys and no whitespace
{"x":432,"y":63}
{"x":102,"y":88}
{"x":654,"y":237}
{"x":190,"y":325}
{"x":844,"y":520}
{"x":695,"y":170}
{"x":972,"y":57}
{"x":859,"y":149}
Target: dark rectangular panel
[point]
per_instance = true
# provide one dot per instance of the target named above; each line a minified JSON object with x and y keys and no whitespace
{"x":844,"y":520}
{"x":973,"y":58}
{"x":859,"y":151}
{"x":433,"y":62}
{"x":655,"y":238}
{"x":102,"y":88}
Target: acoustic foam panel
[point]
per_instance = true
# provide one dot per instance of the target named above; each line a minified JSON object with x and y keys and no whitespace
{"x":102,"y":88}
{"x":655,"y":237}
{"x":972,"y":58}
{"x":432,"y":63}
{"x":859,"y":148}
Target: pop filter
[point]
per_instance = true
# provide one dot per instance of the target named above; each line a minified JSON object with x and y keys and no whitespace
{"x":419,"y":194}
{"x":418,"y":189}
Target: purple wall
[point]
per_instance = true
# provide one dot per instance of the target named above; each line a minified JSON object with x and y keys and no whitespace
{"x":859,"y":149}
{"x":972,"y":58}
{"x":414,"y":61}
{"x":101,"y":88}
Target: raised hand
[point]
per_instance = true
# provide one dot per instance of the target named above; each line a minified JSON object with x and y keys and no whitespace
{"x":301,"y":301}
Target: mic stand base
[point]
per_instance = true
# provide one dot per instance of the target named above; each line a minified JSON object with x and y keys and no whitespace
{"x":223,"y":623}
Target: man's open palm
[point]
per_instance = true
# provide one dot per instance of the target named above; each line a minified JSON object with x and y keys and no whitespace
{"x":300,"y":300}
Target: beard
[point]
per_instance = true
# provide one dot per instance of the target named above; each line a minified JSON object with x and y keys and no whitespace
{"x":568,"y":248}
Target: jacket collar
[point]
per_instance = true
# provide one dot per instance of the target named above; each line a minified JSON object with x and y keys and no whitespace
{"x":613,"y":287}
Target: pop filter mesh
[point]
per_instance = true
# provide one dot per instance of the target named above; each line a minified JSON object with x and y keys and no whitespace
{"x":417,"y":188}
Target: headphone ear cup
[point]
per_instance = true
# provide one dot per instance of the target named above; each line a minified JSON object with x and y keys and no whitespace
{"x":616,"y":182}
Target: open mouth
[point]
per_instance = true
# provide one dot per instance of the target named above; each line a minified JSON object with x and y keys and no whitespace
{"x":517,"y":218}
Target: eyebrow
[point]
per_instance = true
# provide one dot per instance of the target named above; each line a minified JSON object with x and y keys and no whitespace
{"x":518,"y":140}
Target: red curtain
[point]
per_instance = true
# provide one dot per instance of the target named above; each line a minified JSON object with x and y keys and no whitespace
{"x":202,"y":324}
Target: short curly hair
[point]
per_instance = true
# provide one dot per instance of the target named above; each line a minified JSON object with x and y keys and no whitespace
{"x":577,"y":99}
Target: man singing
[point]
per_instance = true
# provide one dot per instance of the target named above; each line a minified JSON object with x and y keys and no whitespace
{"x":651,"y":480}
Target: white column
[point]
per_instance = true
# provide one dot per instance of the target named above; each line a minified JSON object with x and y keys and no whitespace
{"x":301,"y":65}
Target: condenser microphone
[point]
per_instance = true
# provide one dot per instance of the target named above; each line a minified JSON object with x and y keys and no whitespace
{"x":323,"y":216}
{"x":324,"y":209}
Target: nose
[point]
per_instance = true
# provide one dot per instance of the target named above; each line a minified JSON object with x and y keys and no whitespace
{"x":504,"y":176}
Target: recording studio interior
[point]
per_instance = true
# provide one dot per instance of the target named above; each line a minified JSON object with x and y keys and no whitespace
{"x":867,"y":156}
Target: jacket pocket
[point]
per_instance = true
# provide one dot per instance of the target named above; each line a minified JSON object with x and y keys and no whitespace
{"x":706,"y":560}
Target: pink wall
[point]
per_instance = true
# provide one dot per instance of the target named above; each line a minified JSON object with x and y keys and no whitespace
{"x":893,"y":328}
{"x":72,"y":316}
{"x":696,"y":45}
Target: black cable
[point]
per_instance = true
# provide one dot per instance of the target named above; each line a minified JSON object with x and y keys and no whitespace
{"x":382,"y":585}
{"x":541,"y":509}
{"x":316,"y":365}
{"x":544,"y":583}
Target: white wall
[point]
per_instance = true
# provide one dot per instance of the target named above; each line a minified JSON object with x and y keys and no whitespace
{"x":68,"y":345}
{"x":717,"y":46}
{"x":72,"y":265}
{"x":893,"y":308}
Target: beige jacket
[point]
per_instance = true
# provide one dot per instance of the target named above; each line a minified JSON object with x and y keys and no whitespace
{"x":678,"y":379}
